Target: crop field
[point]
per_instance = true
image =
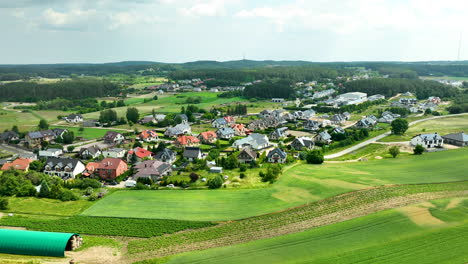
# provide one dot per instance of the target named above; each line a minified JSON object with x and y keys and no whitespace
{"x":421,"y":238}
{"x":442,"y":126}
{"x":298,"y":185}
{"x":102,"y":225}
{"x":316,"y":214}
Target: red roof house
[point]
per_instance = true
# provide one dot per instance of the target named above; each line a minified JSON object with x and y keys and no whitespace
{"x":208,"y":137}
{"x":17,"y":164}
{"x":140,"y":154}
{"x":184,"y":141}
{"x":111,"y":168}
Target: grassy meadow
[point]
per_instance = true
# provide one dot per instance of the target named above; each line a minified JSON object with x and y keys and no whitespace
{"x":298,"y":185}
{"x":442,"y":126}
{"x":427,"y":233}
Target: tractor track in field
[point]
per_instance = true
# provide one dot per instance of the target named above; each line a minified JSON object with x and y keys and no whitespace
{"x":329,"y":211}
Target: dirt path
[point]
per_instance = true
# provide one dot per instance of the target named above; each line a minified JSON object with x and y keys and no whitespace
{"x":421,"y":215}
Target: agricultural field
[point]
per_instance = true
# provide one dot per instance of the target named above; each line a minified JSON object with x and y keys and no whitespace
{"x":442,"y":126}
{"x":431,"y":232}
{"x":43,"y":206}
{"x":298,"y":185}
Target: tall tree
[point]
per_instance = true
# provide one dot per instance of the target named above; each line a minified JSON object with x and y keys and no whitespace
{"x":132,"y":114}
{"x":43,"y":124}
{"x":399,"y":126}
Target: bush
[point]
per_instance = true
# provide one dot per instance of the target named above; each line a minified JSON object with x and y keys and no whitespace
{"x":242,"y":175}
{"x":68,"y":195}
{"x":194,"y":177}
{"x":315,"y":157}
{"x":418,"y":150}
{"x":4,"y":203}
{"x":216,"y":182}
{"x":399,"y":126}
{"x":394,"y":151}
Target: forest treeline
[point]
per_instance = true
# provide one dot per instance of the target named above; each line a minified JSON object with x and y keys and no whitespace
{"x":248,"y":75}
{"x":391,"y":86}
{"x":72,"y":89}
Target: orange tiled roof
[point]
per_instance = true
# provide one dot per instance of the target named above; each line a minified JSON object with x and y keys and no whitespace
{"x":18,"y":164}
{"x":184,"y":140}
{"x":208,"y":135}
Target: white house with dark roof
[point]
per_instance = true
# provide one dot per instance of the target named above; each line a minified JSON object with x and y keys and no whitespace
{"x":302,"y":143}
{"x":116,"y":153}
{"x":277,"y":156}
{"x":225,"y":133}
{"x":64,"y":168}
{"x":180,"y":129}
{"x":432,"y":140}
{"x":74,"y":118}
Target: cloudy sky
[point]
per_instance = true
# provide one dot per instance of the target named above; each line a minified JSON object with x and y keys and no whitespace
{"x":64,"y":31}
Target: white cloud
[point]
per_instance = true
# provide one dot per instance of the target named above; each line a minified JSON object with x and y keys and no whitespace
{"x":74,"y":19}
{"x":201,"y":8}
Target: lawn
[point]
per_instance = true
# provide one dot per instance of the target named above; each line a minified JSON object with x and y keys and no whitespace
{"x":442,"y":126}
{"x":32,"y":205}
{"x":369,"y":239}
{"x":298,"y":185}
{"x":87,"y":133}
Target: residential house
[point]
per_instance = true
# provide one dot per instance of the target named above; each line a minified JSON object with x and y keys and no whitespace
{"x":308,"y":114}
{"x":366,"y":122}
{"x":322,"y":94}
{"x":90,"y":152}
{"x":111,"y":168}
{"x":225,"y":133}
{"x":302,"y":143}
{"x":160,"y":117}
{"x":434,"y":99}
{"x":311,"y":125}
{"x":166,"y":155}
{"x":266,"y":113}
{"x":278,"y":133}
{"x":9,"y":136}
{"x":239,"y":130}
{"x":35,"y":138}
{"x":338,"y":130}
{"x":192,"y":153}
{"x":338,"y":119}
{"x":277,"y":100}
{"x":114,"y":153}
{"x":152,"y":169}
{"x":388,"y":117}
{"x":182,"y":117}
{"x":91,"y":123}
{"x":64,"y":168}
{"x":219,"y":123}
{"x":59,"y":132}
{"x":149,"y":119}
{"x":254,"y":141}
{"x":74,"y":118}
{"x":180,"y":129}
{"x":266,"y":122}
{"x":113,"y":137}
{"x":432,"y":140}
{"x":277,"y":156}
{"x":457,"y":139}
{"x":186,"y":141}
{"x":216,"y":170}
{"x":323,"y":137}
{"x":90,"y":168}
{"x":51,"y":152}
{"x":139,"y":154}
{"x":351,"y":98}
{"x":17,"y":164}
{"x":247,"y":155}
{"x":230,"y":120}
{"x":207,"y":137}
{"x":408,"y":101}
{"x":30,"y":156}
{"x":148,"y":136}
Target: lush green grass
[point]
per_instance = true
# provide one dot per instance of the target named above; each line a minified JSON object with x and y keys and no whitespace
{"x":43,"y":206}
{"x":368,"y":152}
{"x":298,"y":185}
{"x":88,"y":132}
{"x":102,"y":225}
{"x":442,"y":126}
{"x":369,"y":239}
{"x":94,"y":241}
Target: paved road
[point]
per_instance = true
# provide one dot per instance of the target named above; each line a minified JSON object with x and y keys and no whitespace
{"x":372,"y":140}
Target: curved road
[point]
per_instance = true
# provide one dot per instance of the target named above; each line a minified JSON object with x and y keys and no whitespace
{"x":374,"y":139}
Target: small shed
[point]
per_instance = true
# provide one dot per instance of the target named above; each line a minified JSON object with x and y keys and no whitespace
{"x":216,"y":170}
{"x":36,"y":243}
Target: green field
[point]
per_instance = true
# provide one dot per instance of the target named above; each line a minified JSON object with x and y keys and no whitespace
{"x":298,"y":185}
{"x":442,"y":126}
{"x":439,"y":236}
{"x":43,"y":206}
{"x":88,"y":132}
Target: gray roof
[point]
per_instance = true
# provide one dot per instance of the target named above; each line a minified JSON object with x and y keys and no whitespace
{"x":165,"y":152}
{"x":278,"y":151}
{"x":225,"y":131}
{"x":431,"y":136}
{"x":8,"y":135}
{"x":457,"y":136}
{"x":324,"y":135}
{"x":150,"y":168}
{"x":62,"y":162}
{"x":192,"y":152}
{"x":41,"y":134}
{"x":92,"y":149}
{"x":221,"y":121}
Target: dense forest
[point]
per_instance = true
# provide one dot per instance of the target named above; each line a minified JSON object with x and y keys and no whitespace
{"x":391,"y":86}
{"x":248,"y":75}
{"x":74,"y":89}
{"x":269,"y":89}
